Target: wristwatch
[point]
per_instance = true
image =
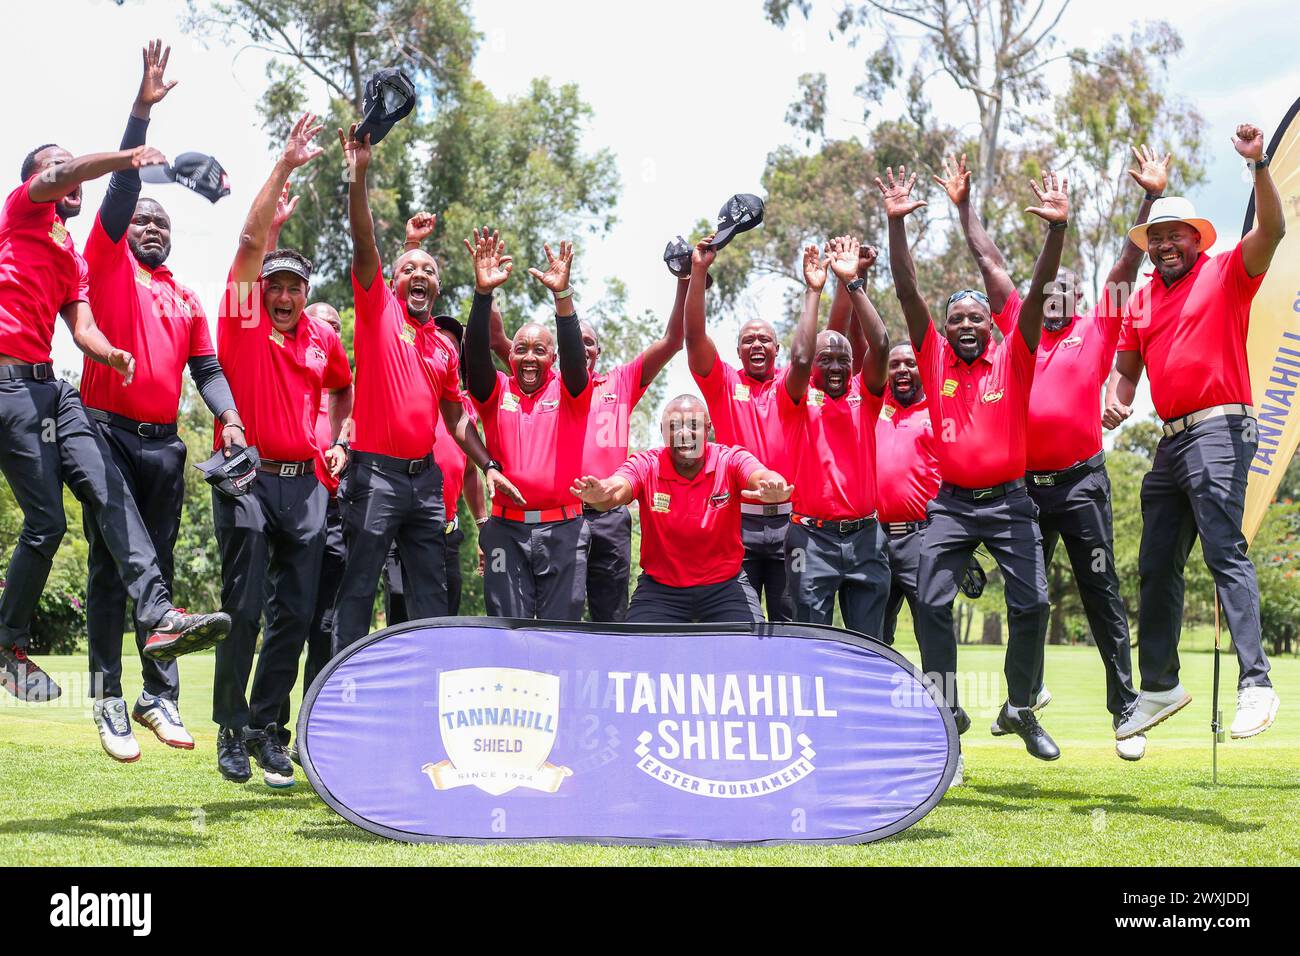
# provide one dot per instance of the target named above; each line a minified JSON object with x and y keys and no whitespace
{"x":340,"y":443}
{"x":1262,"y":162}
{"x":856,"y":284}
{"x":565,"y":294}
{"x":1058,"y":226}
{"x":1152,"y":197}
{"x":490,"y":464}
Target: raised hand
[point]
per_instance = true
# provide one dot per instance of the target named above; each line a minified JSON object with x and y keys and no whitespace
{"x":299,"y":150}
{"x":355,"y":152}
{"x":814,"y":268}
{"x":284,"y":207}
{"x":491,"y":265}
{"x":153,"y":86}
{"x":1053,"y":198}
{"x":147,"y":156}
{"x":770,"y":491}
{"x":703,"y":254}
{"x":1249,"y":142}
{"x":122,"y":362}
{"x":494,"y":482}
{"x":419,"y":227}
{"x":556,"y":276}
{"x":955,"y":179}
{"x":867,"y":256}
{"x":897,"y":195}
{"x":844,"y":258}
{"x":589,"y":488}
{"x":1152,"y":172}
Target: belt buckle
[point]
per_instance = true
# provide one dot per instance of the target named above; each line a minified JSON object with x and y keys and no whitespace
{"x":846,"y":527}
{"x":770,"y":511}
{"x":413,"y":467}
{"x":532,"y":517}
{"x":979,"y":494}
{"x":289,"y":469}
{"x":40,"y":372}
{"x":1043,"y":480}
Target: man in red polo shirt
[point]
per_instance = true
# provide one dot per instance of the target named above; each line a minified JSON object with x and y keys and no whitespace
{"x":406,"y":379}
{"x":689,"y":493}
{"x":140,"y":306}
{"x":979,"y":410}
{"x":535,"y":422}
{"x":1188,"y":328}
{"x":41,"y":275}
{"x":834,"y":546}
{"x":1066,"y":465}
{"x":742,"y":405}
{"x":271,"y":538}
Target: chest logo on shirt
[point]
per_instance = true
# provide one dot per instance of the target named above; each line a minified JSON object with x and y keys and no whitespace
{"x":1074,"y":341}
{"x":949,"y":387}
{"x":887,"y":412}
{"x":740,"y":393}
{"x":277,"y":337}
{"x":549,"y":405}
{"x":609,"y":398}
{"x":316,"y":355}
{"x":988,"y":398}
{"x":854,"y":400}
{"x":816,"y":397}
{"x":58,"y":233}
{"x":720,"y":501}
{"x":144,"y":277}
{"x":661,"y":502}
{"x":509,"y":402}
{"x":408,"y":335}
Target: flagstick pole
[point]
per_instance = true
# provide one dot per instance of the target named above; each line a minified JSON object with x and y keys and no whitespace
{"x":1216,"y":717}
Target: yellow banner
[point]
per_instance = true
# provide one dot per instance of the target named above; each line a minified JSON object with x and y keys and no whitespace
{"x":1274,"y":341}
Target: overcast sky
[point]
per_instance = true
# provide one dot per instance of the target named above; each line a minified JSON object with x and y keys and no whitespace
{"x":690,"y":99}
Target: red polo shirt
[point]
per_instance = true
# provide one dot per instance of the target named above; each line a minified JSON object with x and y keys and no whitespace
{"x":831,"y":443}
{"x":1192,"y":335}
{"x":40,"y":273}
{"x":613,"y":397}
{"x":148,"y":313}
{"x":451,"y":459}
{"x":690,"y":530}
{"x":538,"y":438}
{"x":907,"y":468}
{"x":743,"y":410}
{"x":1071,"y":367}
{"x":402,"y":373}
{"x":277,"y":377}
{"x":980,"y":411}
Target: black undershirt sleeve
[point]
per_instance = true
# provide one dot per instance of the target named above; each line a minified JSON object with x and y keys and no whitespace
{"x":573,"y":356}
{"x":118,"y":207}
{"x":480,"y":373}
{"x":211,"y":383}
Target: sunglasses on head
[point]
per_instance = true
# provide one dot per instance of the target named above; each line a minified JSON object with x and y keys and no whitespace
{"x":973,"y":293}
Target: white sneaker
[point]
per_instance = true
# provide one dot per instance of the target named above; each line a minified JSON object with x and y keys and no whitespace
{"x":115,"y":730}
{"x":1044,"y":698}
{"x":1151,"y":708}
{"x":959,"y":778}
{"x":1256,"y":708}
{"x":1132,"y":748}
{"x":160,"y":715}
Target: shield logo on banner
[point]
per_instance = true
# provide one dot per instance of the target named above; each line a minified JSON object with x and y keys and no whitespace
{"x":498,"y":725}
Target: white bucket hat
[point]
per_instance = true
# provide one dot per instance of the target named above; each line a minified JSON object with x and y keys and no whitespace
{"x":1174,"y":209}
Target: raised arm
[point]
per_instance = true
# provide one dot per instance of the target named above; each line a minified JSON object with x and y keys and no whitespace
{"x":1258,"y":245}
{"x":253,"y":239}
{"x":701,"y":353}
{"x":849,"y":260}
{"x":842,"y":319}
{"x":1054,"y":209}
{"x":899,"y":204}
{"x":988,"y":258}
{"x":603,"y":494}
{"x":284,"y":207}
{"x":804,"y":347}
{"x":57,"y":181}
{"x":365,"y":253}
{"x":568,"y":331}
{"x":491,"y":268}
{"x":660,"y":352}
{"x":1152,"y":174}
{"x":768,"y":487}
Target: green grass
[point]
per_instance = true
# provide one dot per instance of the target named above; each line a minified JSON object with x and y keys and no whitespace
{"x":66,"y":803}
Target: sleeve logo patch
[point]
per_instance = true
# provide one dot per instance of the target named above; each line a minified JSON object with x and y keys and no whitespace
{"x":949,"y":387}
{"x":988,"y":398}
{"x":741,"y":393}
{"x":661,"y":502}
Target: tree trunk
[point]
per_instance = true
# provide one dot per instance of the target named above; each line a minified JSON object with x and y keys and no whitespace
{"x":1056,"y":635}
{"x":992,"y":628}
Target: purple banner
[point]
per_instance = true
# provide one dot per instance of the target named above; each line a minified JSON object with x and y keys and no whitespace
{"x":487,"y":729}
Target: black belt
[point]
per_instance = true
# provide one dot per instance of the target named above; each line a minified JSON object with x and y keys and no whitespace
{"x":843,"y":526}
{"x":287,"y":469}
{"x":403,"y":466}
{"x":899,"y":529}
{"x":1047,"y":479}
{"x":143,"y":429}
{"x":39,"y":372}
{"x":983,"y":494}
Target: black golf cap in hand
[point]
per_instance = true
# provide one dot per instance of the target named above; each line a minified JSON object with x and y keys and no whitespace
{"x":741,"y":213}
{"x":973,"y":579}
{"x":231,"y":476}
{"x":677,"y":254}
{"x":197,"y":171}
{"x":389,"y":96}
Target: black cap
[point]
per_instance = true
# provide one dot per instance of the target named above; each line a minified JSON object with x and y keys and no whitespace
{"x":677,"y":254}
{"x":389,"y":96}
{"x":741,"y":213}
{"x":451,"y":326}
{"x":281,"y":263}
{"x":231,"y":476}
{"x":973,"y":581}
{"x":197,"y":171}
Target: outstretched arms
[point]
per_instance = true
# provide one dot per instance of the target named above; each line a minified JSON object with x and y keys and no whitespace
{"x":849,"y":260}
{"x":701,"y":353}
{"x":365,"y":252}
{"x":491,"y":268}
{"x":1260,"y":243}
{"x":568,"y":331}
{"x":1055,"y":211}
{"x":804,"y":347}
{"x":899,"y":204}
{"x":997,"y":281}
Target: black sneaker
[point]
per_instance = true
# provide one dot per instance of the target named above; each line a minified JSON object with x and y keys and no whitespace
{"x":270,"y":754}
{"x":180,"y":633}
{"x":293,"y":754}
{"x":23,"y":677}
{"x":232,"y":755}
{"x":1022,"y":722}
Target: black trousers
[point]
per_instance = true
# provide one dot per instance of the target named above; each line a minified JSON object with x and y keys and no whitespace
{"x":609,"y":563}
{"x":394,"y":597}
{"x":764,"y":540}
{"x":271,"y":542}
{"x":1079,"y":514}
{"x":1197,"y":487}
{"x":47,"y":439}
{"x":904,"y":571}
{"x":535,"y":570}
{"x":382,"y":506}
{"x":154,"y":472}
{"x":726,"y":601}
{"x":822,"y":563}
{"x":1008,"y":527}
{"x":320,"y":633}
